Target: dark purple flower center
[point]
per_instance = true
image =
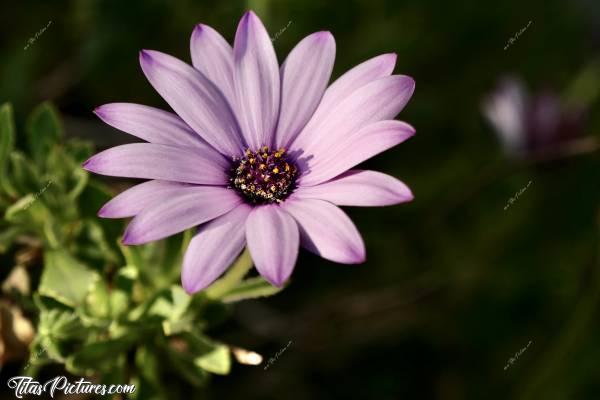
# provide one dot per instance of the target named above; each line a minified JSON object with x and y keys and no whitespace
{"x":263,"y":176}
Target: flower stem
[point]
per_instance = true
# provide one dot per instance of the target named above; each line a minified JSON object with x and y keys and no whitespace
{"x":232,"y":278}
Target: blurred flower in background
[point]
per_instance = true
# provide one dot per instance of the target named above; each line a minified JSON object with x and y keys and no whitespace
{"x":529,"y":124}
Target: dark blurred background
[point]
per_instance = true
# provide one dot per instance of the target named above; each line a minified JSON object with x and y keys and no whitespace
{"x":457,"y":282}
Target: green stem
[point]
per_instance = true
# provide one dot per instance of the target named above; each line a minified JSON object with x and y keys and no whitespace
{"x":232,"y":278}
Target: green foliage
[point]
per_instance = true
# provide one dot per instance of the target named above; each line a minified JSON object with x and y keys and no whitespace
{"x":103,"y":309}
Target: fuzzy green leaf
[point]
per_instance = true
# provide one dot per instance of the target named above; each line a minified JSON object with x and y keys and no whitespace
{"x":217,"y":361}
{"x":65,"y":279}
{"x":44,"y":129}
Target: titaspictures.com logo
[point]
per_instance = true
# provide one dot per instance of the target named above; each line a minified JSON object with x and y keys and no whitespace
{"x":25,"y":385}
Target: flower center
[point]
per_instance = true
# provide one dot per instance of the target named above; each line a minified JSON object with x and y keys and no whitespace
{"x":263,"y":176}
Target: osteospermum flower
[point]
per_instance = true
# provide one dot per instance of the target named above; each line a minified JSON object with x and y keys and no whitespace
{"x":256,"y":155}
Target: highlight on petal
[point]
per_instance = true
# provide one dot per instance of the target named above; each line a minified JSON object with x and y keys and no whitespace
{"x":367,"y":142}
{"x":214,"y":248}
{"x":158,"y":161}
{"x":257,"y":82}
{"x":326,"y":230}
{"x":187,"y":208}
{"x":195,"y":99}
{"x":273,"y":240}
{"x":150,"y":124}
{"x":304,"y":77}
{"x":213,"y":56}
{"x":359,"y":188}
{"x":135,"y":199}
{"x":380,"y":100}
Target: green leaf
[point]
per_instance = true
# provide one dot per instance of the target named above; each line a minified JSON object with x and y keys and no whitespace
{"x":170,"y":304}
{"x":65,"y":279}
{"x":24,"y":176}
{"x":217,"y":361}
{"x":28,"y":211}
{"x":251,"y":288}
{"x":44,"y":130}
{"x":7,"y":143}
{"x":57,"y":330}
{"x":96,"y":357}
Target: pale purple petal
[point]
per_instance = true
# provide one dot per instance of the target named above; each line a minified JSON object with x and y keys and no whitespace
{"x":364,"y":73}
{"x":159,"y":161}
{"x":273,"y":240}
{"x":214,"y":248}
{"x":133,"y":200}
{"x":326,"y":230}
{"x":188,"y":207}
{"x":150,"y":124}
{"x":359,"y":188}
{"x":367,"y":142}
{"x":195,"y":99}
{"x":257,"y":84}
{"x":304,"y":77}
{"x":380,"y":100}
{"x":213,"y":56}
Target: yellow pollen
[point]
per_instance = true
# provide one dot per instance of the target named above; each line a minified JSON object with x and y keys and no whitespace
{"x":275,"y":170}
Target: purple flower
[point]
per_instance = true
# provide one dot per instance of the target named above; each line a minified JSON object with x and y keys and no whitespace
{"x":256,"y":155}
{"x":529,"y":124}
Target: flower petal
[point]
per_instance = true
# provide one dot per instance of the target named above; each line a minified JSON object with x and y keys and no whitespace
{"x":195,"y":99}
{"x":214,"y":248}
{"x":273,"y":240}
{"x":159,"y":161}
{"x":326,"y":230}
{"x":506,"y":109}
{"x":359,"y":188}
{"x":380,"y":100}
{"x":304,"y":77}
{"x":135,"y":199}
{"x":366,"y":72}
{"x":188,"y":207}
{"x":149,"y":123}
{"x":369,"y":141}
{"x":257,"y":83}
{"x":213,"y":56}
